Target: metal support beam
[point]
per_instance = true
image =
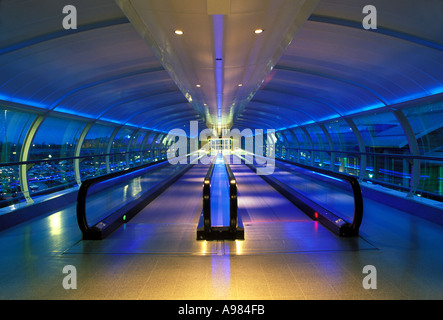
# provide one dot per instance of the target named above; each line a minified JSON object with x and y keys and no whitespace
{"x":361,"y":147}
{"x":305,"y":131}
{"x":24,"y":153}
{"x":413,"y":148}
{"x":78,"y":149}
{"x":109,"y":147}
{"x":330,"y":142}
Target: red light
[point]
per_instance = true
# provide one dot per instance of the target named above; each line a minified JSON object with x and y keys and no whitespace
{"x":316,"y":215}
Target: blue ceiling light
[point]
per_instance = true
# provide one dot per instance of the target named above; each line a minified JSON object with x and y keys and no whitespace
{"x":218,"y":26}
{"x":23,"y":101}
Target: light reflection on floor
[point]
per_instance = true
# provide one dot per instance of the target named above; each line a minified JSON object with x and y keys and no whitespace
{"x":280,"y":258}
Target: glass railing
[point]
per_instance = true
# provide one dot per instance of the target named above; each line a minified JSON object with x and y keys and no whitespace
{"x":332,"y":198}
{"x":104,"y":203}
{"x":393,"y":171}
{"x":47,"y":176}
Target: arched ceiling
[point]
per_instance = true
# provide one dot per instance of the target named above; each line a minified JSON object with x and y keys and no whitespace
{"x":108,"y":70}
{"x":334,"y":67}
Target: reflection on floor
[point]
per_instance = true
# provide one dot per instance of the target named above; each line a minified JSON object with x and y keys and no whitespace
{"x":284,"y":256}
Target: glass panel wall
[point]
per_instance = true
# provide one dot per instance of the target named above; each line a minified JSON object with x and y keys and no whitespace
{"x":319,"y":142}
{"x":147,"y":153}
{"x":55,"y":140}
{"x":384,"y":136}
{"x":135,"y":149}
{"x":427,"y":123}
{"x":50,"y":160}
{"x":345,"y":143}
{"x":291,"y":151}
{"x":280,"y":146}
{"x":14,"y":126}
{"x":304,"y":153}
{"x":95,"y":144}
{"x":387,"y":156}
{"x":119,"y":148}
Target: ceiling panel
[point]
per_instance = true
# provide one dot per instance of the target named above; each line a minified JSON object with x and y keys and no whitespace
{"x":324,"y":68}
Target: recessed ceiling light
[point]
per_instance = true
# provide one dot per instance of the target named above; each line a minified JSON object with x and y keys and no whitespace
{"x":179,"y":32}
{"x":258,"y":31}
{"x":240,"y":85}
{"x":198,"y":86}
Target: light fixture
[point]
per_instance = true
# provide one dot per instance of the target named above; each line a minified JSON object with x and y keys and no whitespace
{"x":240,"y":85}
{"x":198,"y":86}
{"x":258,"y":31}
{"x":179,"y":32}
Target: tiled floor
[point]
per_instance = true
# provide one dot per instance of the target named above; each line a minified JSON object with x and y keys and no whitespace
{"x":405,"y":250}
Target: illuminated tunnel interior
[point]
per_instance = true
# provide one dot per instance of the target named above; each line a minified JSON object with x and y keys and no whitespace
{"x":98,"y":87}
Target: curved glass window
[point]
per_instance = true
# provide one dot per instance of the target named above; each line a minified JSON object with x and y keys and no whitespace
{"x":14,"y":126}
{"x":280,"y":145}
{"x":291,"y":150}
{"x":147,"y":152}
{"x":95,"y":143}
{"x":343,"y":139}
{"x":289,"y":138}
{"x":319,"y":142}
{"x":382,"y":133}
{"x":301,"y":138}
{"x":55,"y":139}
{"x":158,"y":150}
{"x":119,"y":147}
{"x":135,"y":158}
{"x":427,"y":123}
{"x":383,"y":136}
{"x":97,"y":139}
{"x":342,"y":136}
{"x":304,"y":153}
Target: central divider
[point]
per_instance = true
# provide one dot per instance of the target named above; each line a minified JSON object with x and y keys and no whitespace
{"x":220,"y":204}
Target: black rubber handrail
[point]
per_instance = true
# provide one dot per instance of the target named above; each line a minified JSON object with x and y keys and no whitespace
{"x":316,"y":211}
{"x":207,"y":197}
{"x":87,"y":184}
{"x":356,"y":190}
{"x":233,"y":207}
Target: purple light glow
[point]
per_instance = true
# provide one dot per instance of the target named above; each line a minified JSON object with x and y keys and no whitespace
{"x":218,"y":25}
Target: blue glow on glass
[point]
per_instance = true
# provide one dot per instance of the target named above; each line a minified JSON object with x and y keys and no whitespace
{"x":436,"y":90}
{"x":76,"y":113}
{"x":218,"y":44}
{"x":30,"y":103}
{"x":355,"y":112}
{"x":23,"y":101}
{"x":324,"y":175}
{"x":366,"y":108}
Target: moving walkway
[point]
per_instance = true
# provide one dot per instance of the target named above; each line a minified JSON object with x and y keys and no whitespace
{"x":219,"y":219}
{"x":331,"y":198}
{"x":105,"y":203}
